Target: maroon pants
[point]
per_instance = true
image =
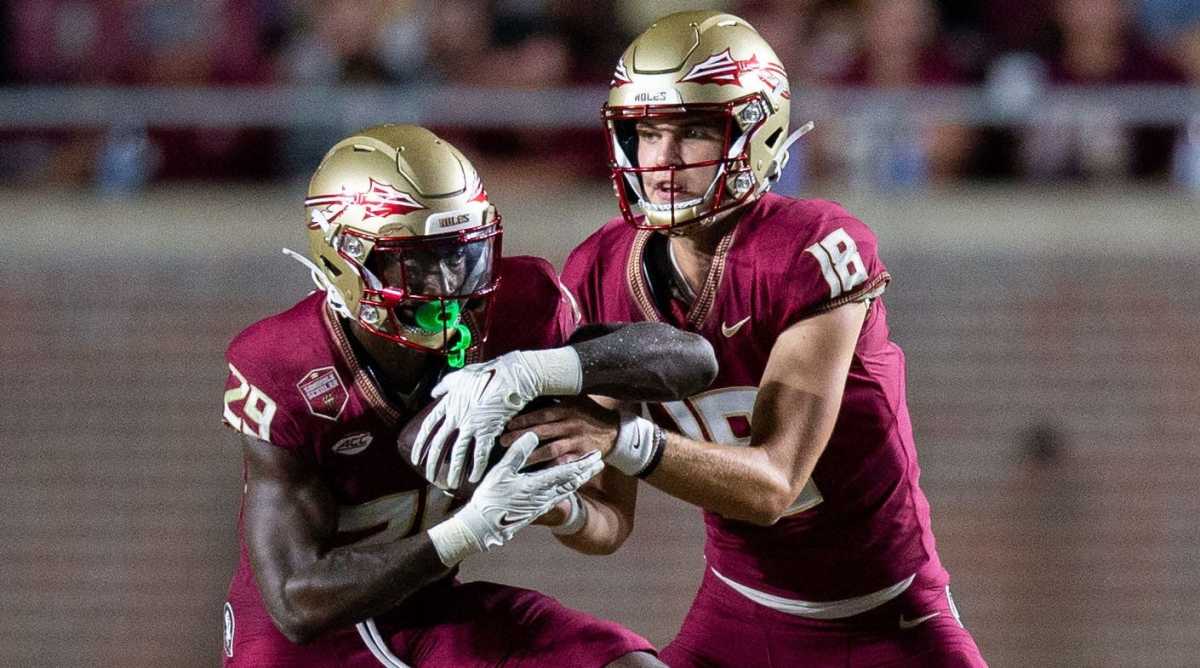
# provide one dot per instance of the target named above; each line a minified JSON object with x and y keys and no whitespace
{"x":459,"y":625}
{"x":724,"y":628}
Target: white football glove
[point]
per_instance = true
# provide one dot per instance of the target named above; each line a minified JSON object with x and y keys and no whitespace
{"x":479,"y":400}
{"x":508,"y":500}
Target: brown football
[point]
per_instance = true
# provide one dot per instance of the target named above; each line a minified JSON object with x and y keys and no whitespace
{"x":408,"y":437}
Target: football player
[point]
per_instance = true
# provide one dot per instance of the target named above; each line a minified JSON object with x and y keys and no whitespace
{"x":819,"y":546}
{"x":348,"y":554}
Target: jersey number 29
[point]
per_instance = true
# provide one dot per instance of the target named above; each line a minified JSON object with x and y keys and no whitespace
{"x":258,"y":410}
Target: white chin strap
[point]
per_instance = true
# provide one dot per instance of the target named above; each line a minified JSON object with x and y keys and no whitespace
{"x":781,"y":157}
{"x":374,"y":641}
{"x":333,"y":296}
{"x":678,"y":206}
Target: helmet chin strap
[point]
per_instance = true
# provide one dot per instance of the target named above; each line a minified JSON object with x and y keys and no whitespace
{"x":781,"y":157}
{"x":333,"y":296}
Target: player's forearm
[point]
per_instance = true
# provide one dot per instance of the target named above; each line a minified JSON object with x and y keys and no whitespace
{"x":646,"y":361}
{"x":349,"y":584}
{"x":793,"y":418}
{"x":736,"y":482}
{"x":604,"y":531}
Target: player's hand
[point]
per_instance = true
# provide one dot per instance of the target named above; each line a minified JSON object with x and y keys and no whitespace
{"x":628,"y":442}
{"x":508,"y":500}
{"x":556,"y":515}
{"x":479,"y":400}
{"x":567,"y":430}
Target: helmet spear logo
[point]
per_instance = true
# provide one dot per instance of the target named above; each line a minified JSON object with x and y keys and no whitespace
{"x":722,"y":69}
{"x":380,"y":200}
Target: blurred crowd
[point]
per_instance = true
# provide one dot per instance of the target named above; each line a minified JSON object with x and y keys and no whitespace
{"x":535,"y":44}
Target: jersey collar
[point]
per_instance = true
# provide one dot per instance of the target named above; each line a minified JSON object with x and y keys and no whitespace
{"x":638,"y":279}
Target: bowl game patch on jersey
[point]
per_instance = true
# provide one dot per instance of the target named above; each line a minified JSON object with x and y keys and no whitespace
{"x":324,"y":392}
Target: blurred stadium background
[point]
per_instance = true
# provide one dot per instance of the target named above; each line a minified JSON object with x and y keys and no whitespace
{"x":1032,"y":169}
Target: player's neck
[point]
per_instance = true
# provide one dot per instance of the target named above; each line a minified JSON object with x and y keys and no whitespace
{"x":693,"y":254}
{"x":397,"y":368}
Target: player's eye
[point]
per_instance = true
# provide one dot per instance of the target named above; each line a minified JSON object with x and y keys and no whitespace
{"x":648,"y":134}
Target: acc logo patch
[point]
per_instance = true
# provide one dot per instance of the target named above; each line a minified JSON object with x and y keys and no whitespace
{"x":353,"y":444}
{"x":324,"y":392}
{"x":228,"y":615}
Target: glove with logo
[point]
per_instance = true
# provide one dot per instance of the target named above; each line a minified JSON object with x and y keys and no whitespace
{"x":479,"y":400}
{"x":508,"y":500}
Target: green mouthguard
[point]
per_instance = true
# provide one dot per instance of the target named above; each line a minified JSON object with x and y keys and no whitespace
{"x":435,"y":316}
{"x":441,"y":315}
{"x":458,"y":350}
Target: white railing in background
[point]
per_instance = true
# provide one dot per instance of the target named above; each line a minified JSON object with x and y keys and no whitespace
{"x":882,"y":149}
{"x":578,"y":107}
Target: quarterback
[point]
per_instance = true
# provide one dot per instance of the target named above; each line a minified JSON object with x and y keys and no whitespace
{"x":348,"y":553}
{"x":819,"y":548}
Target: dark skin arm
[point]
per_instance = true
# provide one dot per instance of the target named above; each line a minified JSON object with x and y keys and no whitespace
{"x":308,"y":587}
{"x":626,"y":361}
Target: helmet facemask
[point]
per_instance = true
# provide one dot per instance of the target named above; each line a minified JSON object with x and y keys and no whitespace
{"x":423,"y":292}
{"x":733,"y":184}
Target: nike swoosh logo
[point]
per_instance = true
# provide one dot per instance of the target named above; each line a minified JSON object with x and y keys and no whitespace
{"x":730,"y":331}
{"x":506,"y":521}
{"x":906,"y":624}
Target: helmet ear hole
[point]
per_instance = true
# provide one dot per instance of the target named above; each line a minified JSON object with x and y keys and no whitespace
{"x":774,"y":137}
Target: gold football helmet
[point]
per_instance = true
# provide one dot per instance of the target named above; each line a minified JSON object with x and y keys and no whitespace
{"x":403,"y":239}
{"x":688,"y":65}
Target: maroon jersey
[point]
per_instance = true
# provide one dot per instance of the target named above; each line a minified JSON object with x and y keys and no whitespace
{"x":295,"y":382}
{"x":861,"y":523}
